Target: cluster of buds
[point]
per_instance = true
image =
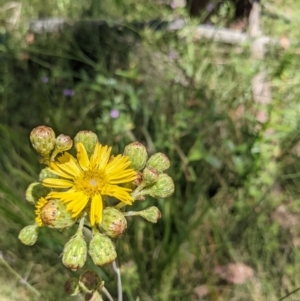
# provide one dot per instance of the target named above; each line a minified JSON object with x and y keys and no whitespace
{"x":151,"y":180}
{"x":47,"y":145}
{"x":88,"y":283}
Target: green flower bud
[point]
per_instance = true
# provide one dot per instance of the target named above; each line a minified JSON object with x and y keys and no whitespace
{"x":102,"y":249}
{"x":159,"y":161}
{"x":35,"y":191}
{"x":72,"y":287}
{"x":162,"y":188}
{"x":43,"y":139}
{"x":150,"y":175}
{"x":54,"y":214}
{"x":46,"y":173}
{"x":113,"y":222}
{"x":88,"y":139}
{"x":151,"y":214}
{"x":29,"y":235}
{"x":75,"y":252}
{"x":137,"y":154}
{"x":63,"y":143}
{"x":89,"y":281}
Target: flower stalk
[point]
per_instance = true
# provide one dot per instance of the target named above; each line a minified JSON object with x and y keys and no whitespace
{"x":92,"y":187}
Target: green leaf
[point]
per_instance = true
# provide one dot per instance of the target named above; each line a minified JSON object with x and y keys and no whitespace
{"x":197,"y":151}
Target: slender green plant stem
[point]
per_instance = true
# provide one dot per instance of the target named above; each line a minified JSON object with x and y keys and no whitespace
{"x":95,"y":297}
{"x":119,"y":281}
{"x":81,"y":225}
{"x":130,"y":213}
{"x":289,"y":294}
{"x":107,"y":294}
{"x":19,"y":277}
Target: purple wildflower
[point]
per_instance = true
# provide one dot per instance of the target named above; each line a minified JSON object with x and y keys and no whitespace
{"x":45,"y":79}
{"x":210,"y":7}
{"x":68,"y":92}
{"x":114,"y":113}
{"x":173,"y":55}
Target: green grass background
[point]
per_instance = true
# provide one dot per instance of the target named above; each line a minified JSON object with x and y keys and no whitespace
{"x":178,"y":96}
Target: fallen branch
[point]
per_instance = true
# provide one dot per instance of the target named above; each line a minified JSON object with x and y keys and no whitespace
{"x":216,"y":34}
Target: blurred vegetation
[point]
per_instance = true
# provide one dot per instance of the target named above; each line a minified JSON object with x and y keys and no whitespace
{"x":237,"y":193}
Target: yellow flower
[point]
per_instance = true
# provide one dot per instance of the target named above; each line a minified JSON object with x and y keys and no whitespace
{"x":82,"y":183}
{"x":38,"y":207}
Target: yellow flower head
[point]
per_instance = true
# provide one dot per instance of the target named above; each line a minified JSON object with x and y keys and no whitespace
{"x":82,"y":183}
{"x":38,"y":207}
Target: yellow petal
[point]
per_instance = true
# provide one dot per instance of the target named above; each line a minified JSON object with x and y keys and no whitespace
{"x":100,"y":156}
{"x":94,"y":159}
{"x":82,"y":156}
{"x":76,"y":206}
{"x":64,"y":196}
{"x":119,"y":162}
{"x":121,"y":177}
{"x":54,"y":169}
{"x":57,"y":183}
{"x":76,"y":200}
{"x":65,"y":157}
{"x":96,"y":209}
{"x":67,"y":169}
{"x":119,"y":193}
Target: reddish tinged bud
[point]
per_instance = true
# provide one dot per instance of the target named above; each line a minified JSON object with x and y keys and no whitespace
{"x":75,"y":252}
{"x":43,"y":139}
{"x":102,"y":249}
{"x":113,"y":222}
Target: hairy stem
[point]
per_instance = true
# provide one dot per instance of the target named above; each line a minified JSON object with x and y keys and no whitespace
{"x":119,"y":281}
{"x":106,"y":293}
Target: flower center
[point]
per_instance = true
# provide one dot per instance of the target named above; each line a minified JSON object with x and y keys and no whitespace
{"x":91,"y":182}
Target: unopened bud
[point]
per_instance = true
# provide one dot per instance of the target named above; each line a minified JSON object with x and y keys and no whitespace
{"x":89,"y":281}
{"x":151,"y":214}
{"x":35,"y":191}
{"x":29,"y":235}
{"x":102,"y":249}
{"x":43,"y":139}
{"x":88,"y":139}
{"x":63,"y":143}
{"x":139,"y":179}
{"x":162,"y":188}
{"x":113,"y":222}
{"x":46,"y":174}
{"x":75,"y":252}
{"x":72,"y":287}
{"x":150,"y":175}
{"x":137,"y":154}
{"x":159,"y":161}
{"x":54,"y":214}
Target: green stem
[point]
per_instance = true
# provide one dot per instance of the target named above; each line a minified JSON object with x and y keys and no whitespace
{"x":289,"y":294}
{"x":119,"y":281}
{"x":81,"y":225}
{"x":30,"y":288}
{"x":120,"y":205}
{"x":136,"y":192}
{"x":107,"y":294}
{"x":130,"y":213}
{"x":95,"y":296}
